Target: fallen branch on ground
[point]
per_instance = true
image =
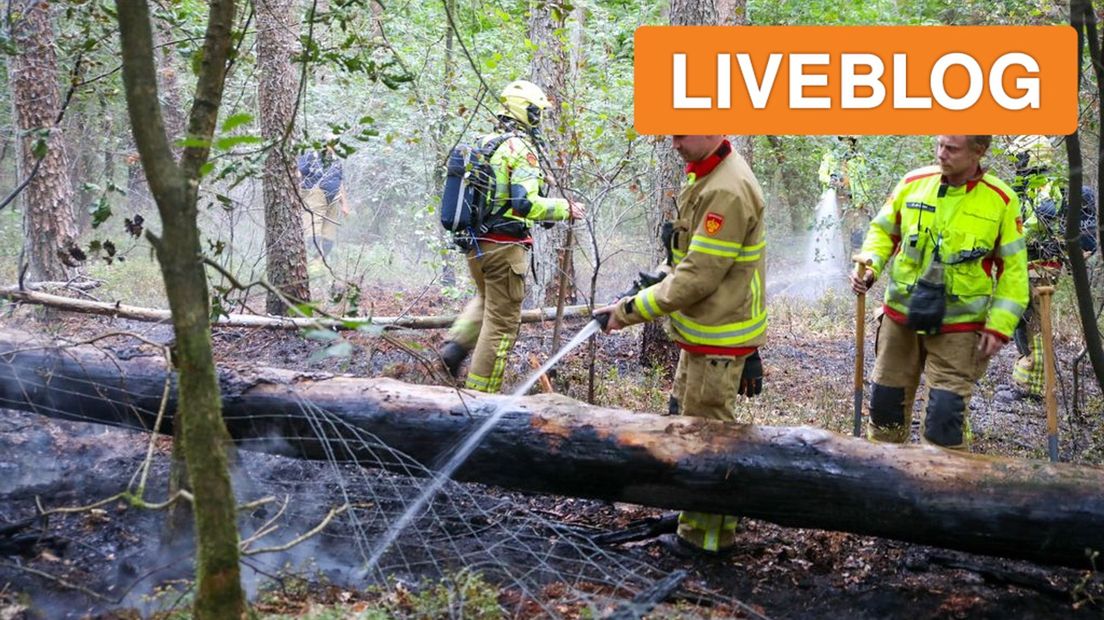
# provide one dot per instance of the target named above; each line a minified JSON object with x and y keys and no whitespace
{"x":157,"y":315}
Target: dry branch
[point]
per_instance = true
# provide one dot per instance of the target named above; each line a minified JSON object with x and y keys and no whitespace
{"x":799,"y":477}
{"x":157,"y":315}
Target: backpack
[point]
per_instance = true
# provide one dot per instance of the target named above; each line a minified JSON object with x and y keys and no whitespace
{"x":469,"y":190}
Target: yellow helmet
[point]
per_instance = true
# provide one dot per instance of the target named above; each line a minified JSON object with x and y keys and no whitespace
{"x":523,"y":101}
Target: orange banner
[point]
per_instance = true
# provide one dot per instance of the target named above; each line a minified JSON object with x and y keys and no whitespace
{"x":813,"y":80}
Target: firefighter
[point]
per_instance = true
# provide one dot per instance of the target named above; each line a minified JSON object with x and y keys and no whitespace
{"x":956,"y":290}
{"x":323,"y":194}
{"x":844,"y":170}
{"x":714,"y":299}
{"x":499,"y":258}
{"x":1044,"y":203}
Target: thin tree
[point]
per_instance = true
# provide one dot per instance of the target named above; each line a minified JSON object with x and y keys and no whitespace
{"x":549,"y":70}
{"x":1083,"y":20}
{"x":49,"y":226}
{"x":285,"y":250}
{"x":175,"y":187}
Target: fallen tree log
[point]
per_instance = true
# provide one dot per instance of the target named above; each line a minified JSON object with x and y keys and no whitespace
{"x":799,"y":477}
{"x":157,"y":315}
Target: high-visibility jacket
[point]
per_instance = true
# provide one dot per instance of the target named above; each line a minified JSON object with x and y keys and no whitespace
{"x":853,"y":173}
{"x":715,"y":294}
{"x":979,"y":232}
{"x":515,"y":163}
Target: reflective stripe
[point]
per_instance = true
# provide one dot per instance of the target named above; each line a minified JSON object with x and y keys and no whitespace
{"x":476,"y":382}
{"x":897,"y":295}
{"x":646,"y":305}
{"x":730,"y":334}
{"x":889,"y":226}
{"x":751,"y":253}
{"x":716,"y":247}
{"x":975,"y":308}
{"x":1015,"y":247}
{"x":494,"y":384}
{"x":916,"y":254}
{"x":757,"y":294}
{"x":678,"y":255}
{"x":1008,"y":305}
{"x":876,"y":263}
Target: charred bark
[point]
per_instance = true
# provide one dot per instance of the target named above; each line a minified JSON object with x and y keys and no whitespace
{"x":799,"y":477}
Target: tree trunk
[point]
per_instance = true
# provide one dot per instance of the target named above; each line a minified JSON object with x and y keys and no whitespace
{"x":49,"y":228}
{"x":168,"y":86}
{"x":285,"y":250}
{"x":1079,"y":270}
{"x":798,"y":477}
{"x":550,"y":69}
{"x":789,"y":183}
{"x":656,"y":349}
{"x":175,"y":187}
{"x":1083,"y":20}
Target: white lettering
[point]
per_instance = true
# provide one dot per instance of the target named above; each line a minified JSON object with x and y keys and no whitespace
{"x":759,"y":92}
{"x":799,"y":80}
{"x":939,"y":72}
{"x":901,"y":100}
{"x":724,"y":81}
{"x":682,"y":102}
{"x":850,"y":80}
{"x":1028,"y":84}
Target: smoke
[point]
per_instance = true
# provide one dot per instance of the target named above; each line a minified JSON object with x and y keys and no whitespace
{"x":817,"y":261}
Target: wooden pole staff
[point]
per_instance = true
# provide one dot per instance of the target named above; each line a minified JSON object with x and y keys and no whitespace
{"x":861,"y":264}
{"x":1044,"y":293}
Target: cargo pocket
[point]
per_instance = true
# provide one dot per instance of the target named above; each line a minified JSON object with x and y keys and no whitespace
{"x":718,"y":387}
{"x":516,"y":286}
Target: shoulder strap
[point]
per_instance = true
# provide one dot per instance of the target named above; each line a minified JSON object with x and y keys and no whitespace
{"x":492,"y":145}
{"x":489,"y":148}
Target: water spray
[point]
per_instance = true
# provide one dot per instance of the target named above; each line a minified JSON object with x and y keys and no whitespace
{"x":473,"y":440}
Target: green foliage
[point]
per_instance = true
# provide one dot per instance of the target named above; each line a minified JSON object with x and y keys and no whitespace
{"x":464,"y":594}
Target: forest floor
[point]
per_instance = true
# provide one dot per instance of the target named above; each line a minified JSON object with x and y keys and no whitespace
{"x":79,"y":564}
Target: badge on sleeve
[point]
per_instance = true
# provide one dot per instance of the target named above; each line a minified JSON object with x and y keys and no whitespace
{"x":531,"y":157}
{"x":713,"y":222}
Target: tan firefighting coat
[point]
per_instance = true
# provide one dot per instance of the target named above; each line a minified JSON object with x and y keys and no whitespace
{"x":715,"y":294}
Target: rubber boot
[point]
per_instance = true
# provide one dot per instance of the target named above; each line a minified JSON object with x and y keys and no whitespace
{"x":453,"y":355}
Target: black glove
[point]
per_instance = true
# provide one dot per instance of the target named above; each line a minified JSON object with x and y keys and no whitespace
{"x":751,"y":382}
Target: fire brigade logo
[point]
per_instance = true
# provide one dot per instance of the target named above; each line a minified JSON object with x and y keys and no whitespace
{"x":713,"y":222}
{"x":531,"y":158}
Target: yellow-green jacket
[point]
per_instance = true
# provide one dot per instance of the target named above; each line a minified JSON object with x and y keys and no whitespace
{"x":515,"y":164}
{"x":854,"y":177}
{"x":715,"y":294}
{"x":982,"y":247}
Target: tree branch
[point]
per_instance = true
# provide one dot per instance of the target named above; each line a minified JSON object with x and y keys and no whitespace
{"x":209,"y":87}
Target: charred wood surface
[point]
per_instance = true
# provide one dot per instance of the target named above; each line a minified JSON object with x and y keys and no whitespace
{"x":799,"y":477}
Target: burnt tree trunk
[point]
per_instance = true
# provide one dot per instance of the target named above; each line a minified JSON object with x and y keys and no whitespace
{"x":285,"y":250}
{"x":799,"y":477}
{"x":49,"y":228}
